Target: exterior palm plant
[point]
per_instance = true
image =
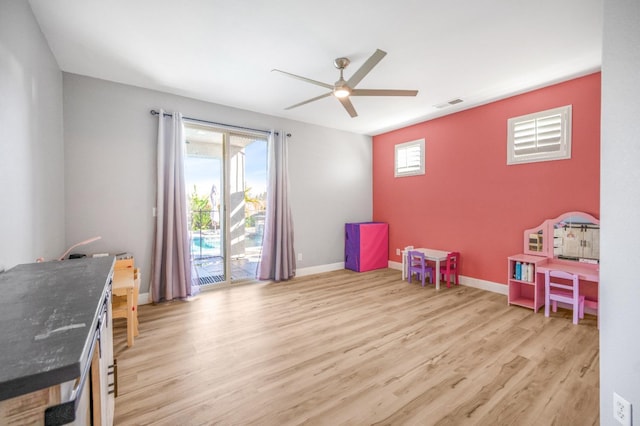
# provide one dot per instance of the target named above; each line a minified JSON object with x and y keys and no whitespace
{"x":200,"y":211}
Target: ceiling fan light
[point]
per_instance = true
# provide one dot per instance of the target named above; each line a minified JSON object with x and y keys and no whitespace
{"x":341,"y":92}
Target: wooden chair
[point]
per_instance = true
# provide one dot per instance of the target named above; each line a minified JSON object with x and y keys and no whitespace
{"x":418,"y":265}
{"x":120,"y":304}
{"x":450,"y":268}
{"x":560,"y":291}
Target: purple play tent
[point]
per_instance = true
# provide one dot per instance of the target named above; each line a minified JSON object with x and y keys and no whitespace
{"x":366,"y":246}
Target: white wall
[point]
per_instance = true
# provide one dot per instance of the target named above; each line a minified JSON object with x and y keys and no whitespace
{"x":110,"y":158}
{"x":31,"y":141}
{"x":620,"y":209}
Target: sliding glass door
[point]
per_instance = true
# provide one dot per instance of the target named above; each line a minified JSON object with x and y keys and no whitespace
{"x":225,"y":174}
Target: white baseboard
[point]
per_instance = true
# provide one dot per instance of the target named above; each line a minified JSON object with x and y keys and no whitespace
{"x":144,"y":298}
{"x":319,"y":269}
{"x":484,"y":285}
{"x":468,"y":281}
{"x":395,"y":265}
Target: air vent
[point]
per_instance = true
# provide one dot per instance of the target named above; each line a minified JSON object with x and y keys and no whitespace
{"x":448,"y":103}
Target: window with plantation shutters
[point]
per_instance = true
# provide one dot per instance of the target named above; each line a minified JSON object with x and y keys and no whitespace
{"x":409,"y":158}
{"x":541,"y":136}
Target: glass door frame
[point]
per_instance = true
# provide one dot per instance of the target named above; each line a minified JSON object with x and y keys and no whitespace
{"x":226,"y":232}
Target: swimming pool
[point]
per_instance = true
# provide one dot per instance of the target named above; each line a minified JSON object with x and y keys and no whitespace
{"x":205,"y":245}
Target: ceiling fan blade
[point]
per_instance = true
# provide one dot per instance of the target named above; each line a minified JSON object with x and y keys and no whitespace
{"x":366,"y":67}
{"x":308,"y":80}
{"x":310,"y":100}
{"x":383,"y":92}
{"x":346,"y":103}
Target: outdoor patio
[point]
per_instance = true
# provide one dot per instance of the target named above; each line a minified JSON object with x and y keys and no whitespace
{"x":208,"y":262}
{"x":208,"y":271}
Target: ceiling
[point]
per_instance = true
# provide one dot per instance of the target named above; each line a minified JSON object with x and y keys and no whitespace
{"x":223,"y":51}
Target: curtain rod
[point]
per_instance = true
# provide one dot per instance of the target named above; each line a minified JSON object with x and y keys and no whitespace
{"x":168,"y":114}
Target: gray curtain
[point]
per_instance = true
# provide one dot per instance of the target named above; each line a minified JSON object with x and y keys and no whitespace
{"x":278,"y":256}
{"x":171,"y":270}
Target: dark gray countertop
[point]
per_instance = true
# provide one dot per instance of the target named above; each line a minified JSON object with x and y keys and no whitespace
{"x":48,"y":316}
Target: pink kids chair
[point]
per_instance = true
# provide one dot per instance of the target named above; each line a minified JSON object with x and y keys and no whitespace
{"x":556,"y":291}
{"x":418,"y":265}
{"x":451,"y":268}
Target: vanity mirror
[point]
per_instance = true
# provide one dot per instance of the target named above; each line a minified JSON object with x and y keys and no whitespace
{"x":536,"y":241}
{"x":570,"y":236}
{"x":576,"y":236}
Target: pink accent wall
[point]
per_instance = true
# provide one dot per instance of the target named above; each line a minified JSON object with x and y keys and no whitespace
{"x":469,"y":200}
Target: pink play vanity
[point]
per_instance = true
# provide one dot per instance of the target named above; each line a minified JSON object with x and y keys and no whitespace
{"x":569,"y":242}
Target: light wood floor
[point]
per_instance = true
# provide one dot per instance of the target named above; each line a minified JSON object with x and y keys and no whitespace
{"x":356,"y":348}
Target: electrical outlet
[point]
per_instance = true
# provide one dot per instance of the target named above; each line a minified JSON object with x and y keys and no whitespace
{"x":300,"y":256}
{"x":398,"y":252}
{"x":621,"y":410}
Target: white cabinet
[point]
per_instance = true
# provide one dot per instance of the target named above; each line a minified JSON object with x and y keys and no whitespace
{"x":103,"y":373}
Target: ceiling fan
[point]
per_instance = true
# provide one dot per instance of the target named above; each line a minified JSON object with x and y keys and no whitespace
{"x":342,"y":89}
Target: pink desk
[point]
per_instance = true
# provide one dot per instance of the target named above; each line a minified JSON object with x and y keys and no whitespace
{"x":553,"y":237}
{"x":585,"y":271}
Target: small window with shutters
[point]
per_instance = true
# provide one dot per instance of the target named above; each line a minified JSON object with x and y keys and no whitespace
{"x":541,"y":136}
{"x":410,"y":158}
